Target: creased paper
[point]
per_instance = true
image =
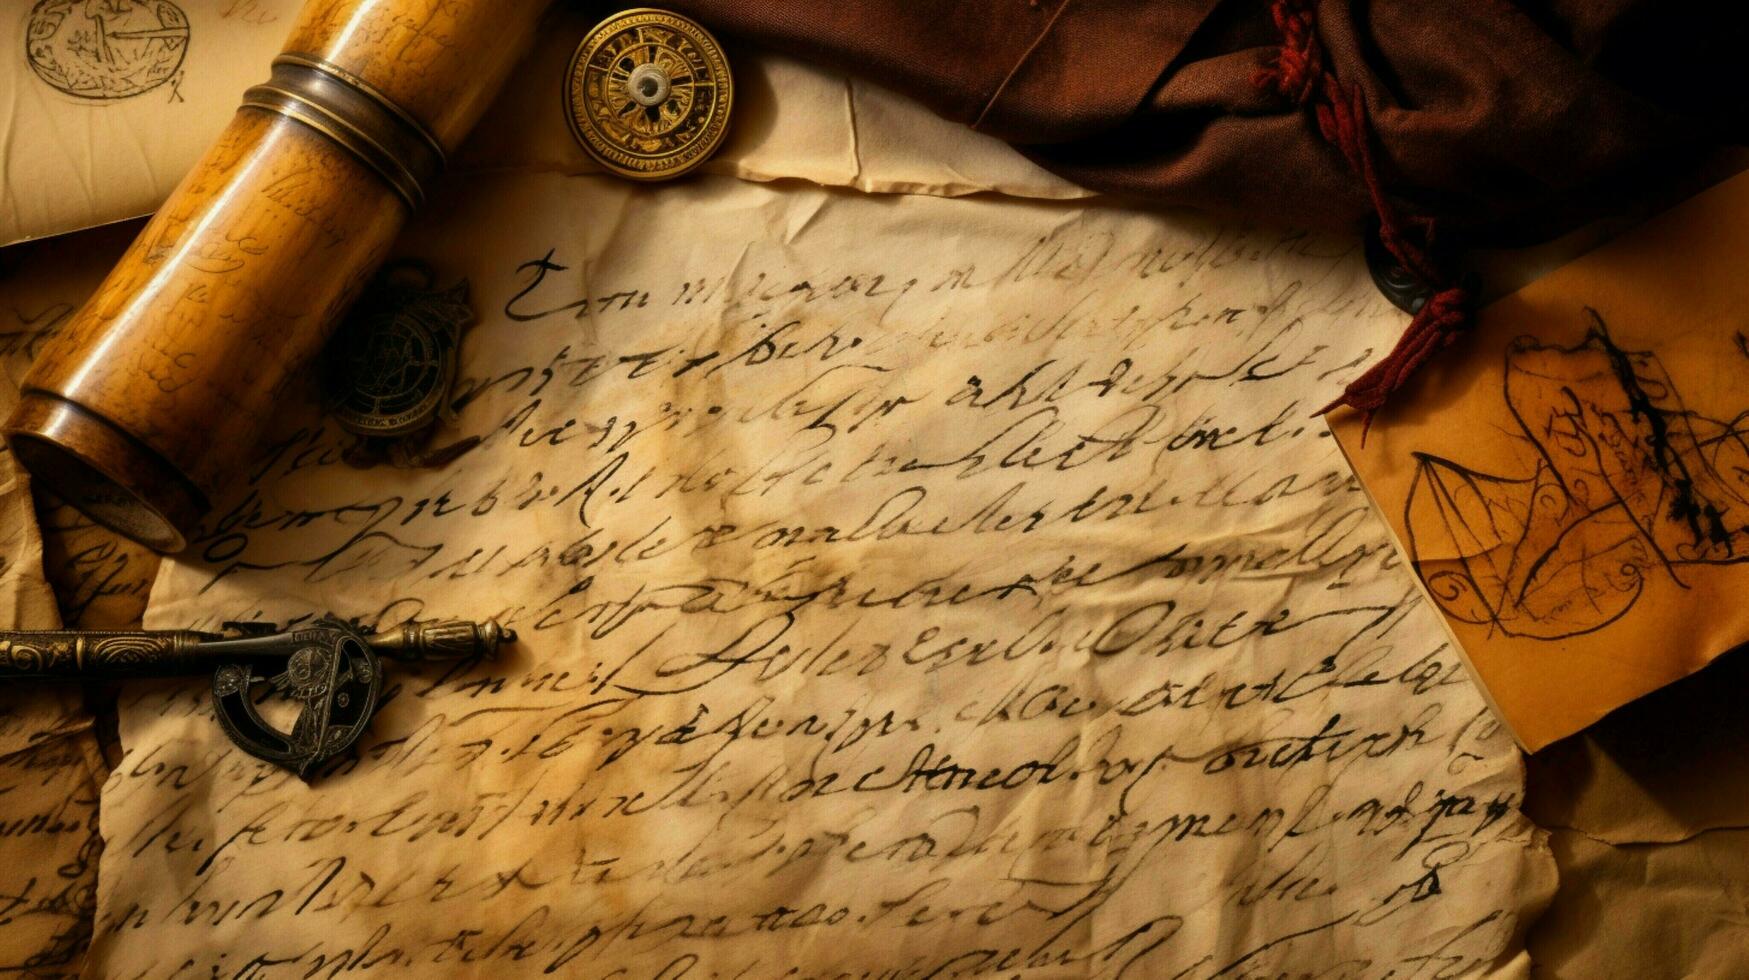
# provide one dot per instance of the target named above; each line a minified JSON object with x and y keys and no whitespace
{"x":91,"y":140}
{"x":49,"y":764}
{"x":1662,"y":769}
{"x":100,"y":579}
{"x":791,"y":120}
{"x":105,"y":105}
{"x":907,"y":587}
{"x":1647,"y":817}
{"x":1646,"y":910}
{"x":48,"y":787}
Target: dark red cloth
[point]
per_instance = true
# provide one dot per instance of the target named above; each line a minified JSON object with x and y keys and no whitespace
{"x":1505,"y":120}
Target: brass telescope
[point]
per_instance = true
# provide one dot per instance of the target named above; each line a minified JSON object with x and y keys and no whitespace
{"x":137,"y":407}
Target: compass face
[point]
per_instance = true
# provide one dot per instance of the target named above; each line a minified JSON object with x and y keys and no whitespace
{"x":648,"y":94}
{"x":106,"y":49}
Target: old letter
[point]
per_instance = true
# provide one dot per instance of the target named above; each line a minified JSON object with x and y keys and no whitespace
{"x":908,"y":587}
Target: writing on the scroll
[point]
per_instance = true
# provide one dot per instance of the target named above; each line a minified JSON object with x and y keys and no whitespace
{"x":48,"y":796}
{"x":906,"y":604}
{"x":46,"y":906}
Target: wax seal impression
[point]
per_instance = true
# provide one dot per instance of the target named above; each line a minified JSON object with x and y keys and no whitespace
{"x":391,"y":365}
{"x":1398,"y":284}
{"x":106,"y":49}
{"x":648,"y":94}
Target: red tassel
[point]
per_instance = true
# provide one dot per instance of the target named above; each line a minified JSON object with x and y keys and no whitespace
{"x":1298,"y":74}
{"x":1300,"y":65}
{"x":1436,"y":326}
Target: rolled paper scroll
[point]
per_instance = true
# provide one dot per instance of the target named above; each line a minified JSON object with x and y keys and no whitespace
{"x":165,"y":379}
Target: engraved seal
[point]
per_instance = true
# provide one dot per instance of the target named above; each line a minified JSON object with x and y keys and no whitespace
{"x":648,"y":94}
{"x":390,"y":366}
{"x":106,"y":49}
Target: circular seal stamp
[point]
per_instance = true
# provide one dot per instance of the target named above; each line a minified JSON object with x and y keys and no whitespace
{"x":648,"y":94}
{"x":106,"y":49}
{"x":392,"y":362}
{"x":394,"y":357}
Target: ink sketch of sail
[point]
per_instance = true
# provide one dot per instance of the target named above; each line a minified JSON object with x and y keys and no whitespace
{"x":1571,"y":485}
{"x":1628,"y":483}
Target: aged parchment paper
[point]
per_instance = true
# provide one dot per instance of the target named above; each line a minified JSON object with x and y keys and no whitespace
{"x":104,"y":106}
{"x":793,"y":120}
{"x":1585,"y":532}
{"x":1646,"y":910}
{"x":50,"y":768}
{"x":1664,"y":769}
{"x":908,"y":587}
{"x":100,"y":579}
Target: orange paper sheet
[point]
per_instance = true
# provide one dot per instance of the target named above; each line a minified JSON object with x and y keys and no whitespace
{"x":1571,"y":482}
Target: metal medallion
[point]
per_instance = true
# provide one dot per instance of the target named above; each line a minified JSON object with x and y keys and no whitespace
{"x":336,"y":682}
{"x":648,"y":94}
{"x":392,"y":363}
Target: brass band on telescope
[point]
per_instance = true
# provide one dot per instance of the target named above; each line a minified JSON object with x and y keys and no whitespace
{"x":147,"y":401}
{"x":356,"y":116}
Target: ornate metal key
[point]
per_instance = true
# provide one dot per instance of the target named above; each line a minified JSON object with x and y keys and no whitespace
{"x":330,"y":667}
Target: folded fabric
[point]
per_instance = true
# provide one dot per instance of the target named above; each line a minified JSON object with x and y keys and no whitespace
{"x":1506,"y":121}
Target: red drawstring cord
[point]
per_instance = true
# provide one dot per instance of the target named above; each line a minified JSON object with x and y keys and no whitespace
{"x":1300,"y":76}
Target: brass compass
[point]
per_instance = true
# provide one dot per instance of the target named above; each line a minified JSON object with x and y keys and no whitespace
{"x":648,"y":94}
